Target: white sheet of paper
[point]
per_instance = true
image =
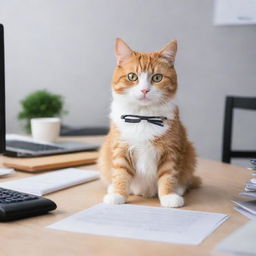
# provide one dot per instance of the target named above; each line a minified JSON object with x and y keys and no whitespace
{"x":245,"y":213}
{"x":143,"y":222}
{"x":6,"y":171}
{"x":248,"y":194}
{"x":253,"y":180}
{"x":241,"y":242}
{"x":249,"y":206}
{"x":46,"y":183}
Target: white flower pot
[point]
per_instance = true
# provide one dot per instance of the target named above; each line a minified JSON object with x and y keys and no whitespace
{"x":45,"y":129}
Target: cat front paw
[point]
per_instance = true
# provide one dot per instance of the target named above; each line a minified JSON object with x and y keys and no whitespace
{"x":172,"y":200}
{"x":114,"y":199}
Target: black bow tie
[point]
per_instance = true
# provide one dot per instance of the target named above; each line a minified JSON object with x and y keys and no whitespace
{"x":157,"y":120}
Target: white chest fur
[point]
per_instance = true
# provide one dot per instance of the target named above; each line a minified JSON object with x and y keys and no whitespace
{"x":139,"y":137}
{"x":145,"y":160}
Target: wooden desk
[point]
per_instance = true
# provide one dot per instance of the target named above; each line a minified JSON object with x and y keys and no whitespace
{"x":221,"y":183}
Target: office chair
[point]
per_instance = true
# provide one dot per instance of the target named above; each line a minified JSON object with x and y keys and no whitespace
{"x":232,"y":103}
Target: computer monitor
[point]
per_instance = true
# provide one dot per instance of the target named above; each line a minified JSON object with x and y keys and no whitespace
{"x":21,"y":147}
{"x":2,"y":92}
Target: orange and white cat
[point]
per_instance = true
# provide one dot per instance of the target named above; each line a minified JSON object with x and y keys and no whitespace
{"x":144,"y":158}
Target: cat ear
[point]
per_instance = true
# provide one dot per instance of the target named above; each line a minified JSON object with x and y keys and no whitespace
{"x":122,"y":51}
{"x":169,"y":51}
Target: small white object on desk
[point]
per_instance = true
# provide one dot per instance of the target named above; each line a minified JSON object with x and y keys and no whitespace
{"x":143,"y":222}
{"x":248,"y":194}
{"x":245,"y":212}
{"x":241,"y":242}
{"x":253,"y":180}
{"x":6,"y":171}
{"x":249,"y":206}
{"x":46,"y":183}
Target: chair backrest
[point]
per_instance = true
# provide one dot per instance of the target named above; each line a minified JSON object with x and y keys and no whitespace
{"x":232,"y":103}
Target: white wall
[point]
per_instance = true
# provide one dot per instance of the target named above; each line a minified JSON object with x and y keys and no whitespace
{"x":67,"y":47}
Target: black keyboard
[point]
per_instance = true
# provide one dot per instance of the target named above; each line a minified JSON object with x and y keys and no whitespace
{"x":16,"y":205}
{"x":30,"y":145}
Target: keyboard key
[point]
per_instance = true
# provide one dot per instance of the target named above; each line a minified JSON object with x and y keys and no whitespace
{"x":9,"y":196}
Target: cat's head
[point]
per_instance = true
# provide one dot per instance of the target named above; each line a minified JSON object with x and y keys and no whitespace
{"x":145,"y":78}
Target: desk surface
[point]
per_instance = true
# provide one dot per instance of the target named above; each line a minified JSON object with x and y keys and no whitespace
{"x":221,"y":183}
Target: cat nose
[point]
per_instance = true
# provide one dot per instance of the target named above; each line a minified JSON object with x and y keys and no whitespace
{"x":145,"y":91}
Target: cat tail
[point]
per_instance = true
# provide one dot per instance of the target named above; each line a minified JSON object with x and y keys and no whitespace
{"x":196,"y":182}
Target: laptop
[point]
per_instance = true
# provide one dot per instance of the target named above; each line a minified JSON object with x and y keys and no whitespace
{"x":21,"y":146}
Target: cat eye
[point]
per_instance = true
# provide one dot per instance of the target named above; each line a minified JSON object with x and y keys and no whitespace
{"x":132,"y":76}
{"x":157,"y":78}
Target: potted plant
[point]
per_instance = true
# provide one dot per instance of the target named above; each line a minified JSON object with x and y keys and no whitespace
{"x":40,"y":103}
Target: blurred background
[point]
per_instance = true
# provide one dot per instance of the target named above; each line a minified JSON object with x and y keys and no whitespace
{"x":66,"y":47}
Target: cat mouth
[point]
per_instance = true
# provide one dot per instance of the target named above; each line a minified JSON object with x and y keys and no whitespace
{"x":144,"y":98}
